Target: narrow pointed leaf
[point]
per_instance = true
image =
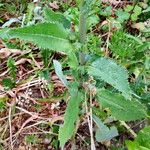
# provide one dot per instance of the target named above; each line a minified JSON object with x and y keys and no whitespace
{"x":45,"y":35}
{"x":111,"y":73}
{"x":120,"y":108}
{"x":58,"y":70}
{"x":71,"y":115}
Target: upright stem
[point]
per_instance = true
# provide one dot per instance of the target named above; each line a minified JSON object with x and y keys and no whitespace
{"x":89,"y":119}
{"x":82,"y":32}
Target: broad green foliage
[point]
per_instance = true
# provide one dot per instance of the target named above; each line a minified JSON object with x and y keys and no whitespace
{"x":111,"y":73}
{"x":51,"y":16}
{"x":58,"y":70}
{"x":70,"y":118}
{"x":45,"y":35}
{"x":103,"y":133}
{"x":142,"y":141}
{"x":121,"y":108}
{"x":84,"y":59}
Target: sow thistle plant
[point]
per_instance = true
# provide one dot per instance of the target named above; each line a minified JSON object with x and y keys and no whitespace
{"x":54,"y":34}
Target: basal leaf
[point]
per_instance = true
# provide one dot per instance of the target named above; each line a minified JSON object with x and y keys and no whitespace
{"x":103,"y":133}
{"x":111,"y":73}
{"x":45,"y":35}
{"x":51,"y":16}
{"x":120,"y":108}
{"x":58,"y":70}
{"x":71,"y":115}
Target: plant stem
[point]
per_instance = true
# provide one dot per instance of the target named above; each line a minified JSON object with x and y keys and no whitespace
{"x":129,"y":129}
{"x":90,"y":120}
{"x":82,"y":32}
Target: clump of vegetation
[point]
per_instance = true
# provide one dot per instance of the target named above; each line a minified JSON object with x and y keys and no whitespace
{"x":73,"y":78}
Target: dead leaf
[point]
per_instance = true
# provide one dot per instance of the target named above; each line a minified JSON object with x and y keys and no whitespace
{"x":22,"y":61}
{"x":5,"y":52}
{"x":114,"y":2}
{"x":106,"y":143}
{"x":21,"y":148}
{"x":104,"y":23}
{"x":54,"y":5}
{"x":140,"y":26}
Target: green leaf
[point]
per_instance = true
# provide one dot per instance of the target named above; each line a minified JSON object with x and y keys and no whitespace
{"x":120,"y":108}
{"x":45,"y":56}
{"x":128,"y":8}
{"x":12,"y":67}
{"x":103,"y":133}
{"x":70,"y":118}
{"x":134,"y":17}
{"x":3,"y":103}
{"x":92,"y":21}
{"x":111,"y":73}
{"x":31,"y":139}
{"x":146,"y":10}
{"x":137,"y":10}
{"x":45,"y":35}
{"x":58,"y":70}
{"x":107,"y":11}
{"x":1,"y":4}
{"x":146,"y":30}
{"x":122,"y":15}
{"x":3,"y":33}
{"x":51,"y":16}
{"x":142,"y":141}
{"x":143,"y":137}
{"x":29,"y":14}
{"x":132,"y":145}
{"x":8,"y":83}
